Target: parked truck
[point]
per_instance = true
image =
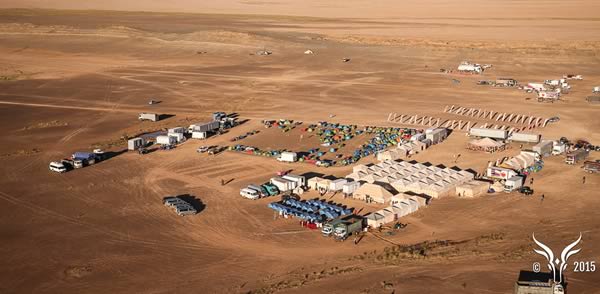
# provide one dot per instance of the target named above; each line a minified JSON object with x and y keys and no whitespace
{"x":271,"y":189}
{"x":204,"y":127}
{"x":288,"y":156}
{"x":525,"y":137}
{"x":349,"y":225}
{"x":591,"y":166}
{"x":575,"y":156}
{"x":149,"y":116}
{"x":500,"y":173}
{"x":86,"y":158}
{"x":513,"y":183}
{"x":328,"y":228}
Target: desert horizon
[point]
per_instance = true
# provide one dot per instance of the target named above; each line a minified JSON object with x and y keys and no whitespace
{"x":184,"y":146}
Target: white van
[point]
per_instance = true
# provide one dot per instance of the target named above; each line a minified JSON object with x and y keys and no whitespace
{"x":249,"y":193}
{"x":57,"y":167}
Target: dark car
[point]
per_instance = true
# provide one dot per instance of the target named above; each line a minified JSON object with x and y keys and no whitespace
{"x":526,"y":190}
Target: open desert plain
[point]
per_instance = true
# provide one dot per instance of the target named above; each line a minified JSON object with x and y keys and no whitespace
{"x":75,"y":75}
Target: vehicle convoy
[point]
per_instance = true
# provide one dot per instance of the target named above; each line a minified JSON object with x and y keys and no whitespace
{"x":591,"y":166}
{"x":575,"y":156}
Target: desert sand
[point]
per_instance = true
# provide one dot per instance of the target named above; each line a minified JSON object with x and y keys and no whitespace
{"x":77,"y":79}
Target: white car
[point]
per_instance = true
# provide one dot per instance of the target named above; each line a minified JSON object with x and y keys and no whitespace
{"x":57,"y":167}
{"x":249,"y":193}
{"x":202,"y":149}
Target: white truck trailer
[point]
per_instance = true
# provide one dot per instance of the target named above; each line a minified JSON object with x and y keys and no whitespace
{"x":489,"y":133}
{"x":284,"y":185}
{"x":288,"y":156}
{"x":525,"y":137}
{"x":299,"y":180}
{"x":204,"y":127}
{"x":166,"y":140}
{"x":513,"y":183}
{"x":149,"y":116}
{"x":199,"y":135}
{"x":500,"y":173}
{"x":177,"y":130}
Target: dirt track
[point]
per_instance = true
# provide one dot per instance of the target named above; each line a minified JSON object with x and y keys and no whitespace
{"x":104,"y":228}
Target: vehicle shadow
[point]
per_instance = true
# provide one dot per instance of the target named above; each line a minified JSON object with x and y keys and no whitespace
{"x":193,"y":201}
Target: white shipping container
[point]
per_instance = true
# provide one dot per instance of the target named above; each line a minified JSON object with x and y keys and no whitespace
{"x":199,"y":135}
{"x":135,"y":143}
{"x":177,"y":130}
{"x":282,"y":184}
{"x":166,"y":140}
{"x":178,"y":137}
{"x":288,"y":157}
{"x":299,"y":180}
{"x":149,"y":116}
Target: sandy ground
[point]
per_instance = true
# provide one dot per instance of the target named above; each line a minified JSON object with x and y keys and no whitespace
{"x":74,"y":80}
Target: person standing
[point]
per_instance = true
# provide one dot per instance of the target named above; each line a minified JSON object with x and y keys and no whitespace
{"x":531,"y":181}
{"x":584,"y":179}
{"x":542,"y":199}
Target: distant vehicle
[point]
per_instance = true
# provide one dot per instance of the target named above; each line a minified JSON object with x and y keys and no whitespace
{"x":185,"y":210}
{"x":143,"y":151}
{"x":249,"y":193}
{"x":172,"y":201}
{"x":575,"y":156}
{"x":58,"y":167}
{"x":149,"y":116}
{"x":215,"y":151}
{"x":345,"y":59}
{"x":77,"y":163}
{"x":554,"y":119}
{"x":591,"y":166}
{"x":526,"y":190}
{"x":152,"y":102}
{"x":167,"y":147}
{"x":202,"y":149}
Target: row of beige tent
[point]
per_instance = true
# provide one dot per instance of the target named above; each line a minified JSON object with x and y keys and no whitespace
{"x":407,"y":177}
{"x":403,"y":151}
{"x":402,"y":205}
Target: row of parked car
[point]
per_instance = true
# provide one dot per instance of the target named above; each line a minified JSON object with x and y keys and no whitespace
{"x":180,"y":206}
{"x":77,"y":160}
{"x":259,"y":191}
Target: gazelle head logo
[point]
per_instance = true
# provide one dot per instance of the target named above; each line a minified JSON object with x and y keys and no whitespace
{"x":554,"y":262}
